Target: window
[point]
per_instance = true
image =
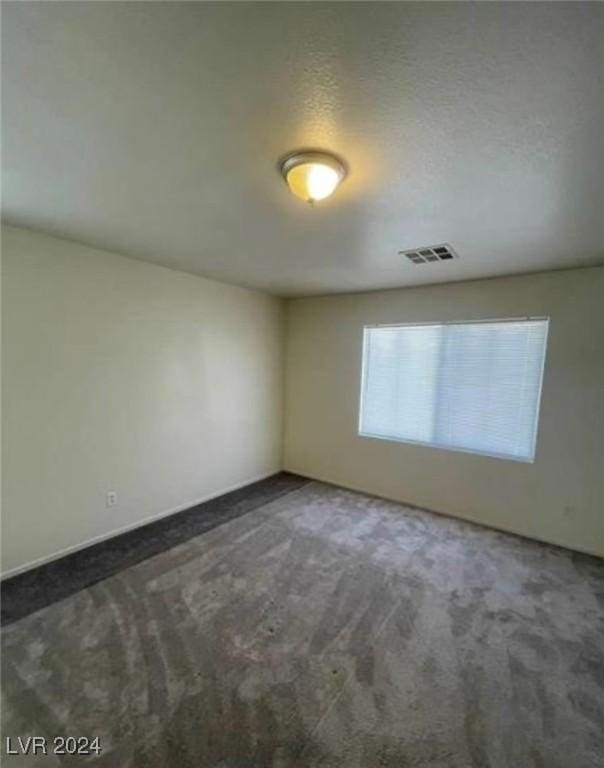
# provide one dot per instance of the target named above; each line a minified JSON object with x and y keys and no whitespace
{"x":465,"y":386}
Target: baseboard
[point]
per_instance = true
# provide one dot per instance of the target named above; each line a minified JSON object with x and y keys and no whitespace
{"x":131,"y":526}
{"x":466,"y":519}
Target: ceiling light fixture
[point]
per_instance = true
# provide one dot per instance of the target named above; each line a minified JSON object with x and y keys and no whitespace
{"x":312,"y":176}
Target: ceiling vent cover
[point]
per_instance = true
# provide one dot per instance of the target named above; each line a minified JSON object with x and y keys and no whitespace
{"x":431,"y":253}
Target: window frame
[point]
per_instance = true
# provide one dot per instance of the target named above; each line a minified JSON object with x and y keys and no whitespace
{"x":439,"y":446}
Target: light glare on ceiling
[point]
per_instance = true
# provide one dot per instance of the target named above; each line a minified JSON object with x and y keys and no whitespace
{"x":312,"y":176}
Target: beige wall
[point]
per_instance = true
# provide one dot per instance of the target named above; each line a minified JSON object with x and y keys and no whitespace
{"x":165,"y":387}
{"x":559,"y":498}
{"x":119,"y":375}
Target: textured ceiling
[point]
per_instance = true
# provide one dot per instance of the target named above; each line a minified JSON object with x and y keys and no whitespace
{"x":154,"y":130}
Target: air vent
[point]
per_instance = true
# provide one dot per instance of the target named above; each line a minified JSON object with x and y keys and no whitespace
{"x":433,"y":253}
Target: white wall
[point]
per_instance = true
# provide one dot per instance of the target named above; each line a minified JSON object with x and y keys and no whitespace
{"x":559,"y":498}
{"x":165,"y":387}
{"x":160,"y":385}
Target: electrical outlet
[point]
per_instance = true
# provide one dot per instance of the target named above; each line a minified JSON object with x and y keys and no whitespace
{"x":111,"y":499}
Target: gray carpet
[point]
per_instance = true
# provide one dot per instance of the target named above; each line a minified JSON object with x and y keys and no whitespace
{"x":46,"y":584}
{"x":325,"y":628}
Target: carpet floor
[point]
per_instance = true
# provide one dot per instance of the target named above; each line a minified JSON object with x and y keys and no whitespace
{"x":323,"y":628}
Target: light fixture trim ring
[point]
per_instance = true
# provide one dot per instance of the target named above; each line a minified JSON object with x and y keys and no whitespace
{"x":303,"y":157}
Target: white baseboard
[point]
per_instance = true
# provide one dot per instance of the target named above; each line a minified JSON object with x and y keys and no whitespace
{"x":131,"y":526}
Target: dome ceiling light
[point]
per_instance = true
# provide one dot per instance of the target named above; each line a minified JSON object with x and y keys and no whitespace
{"x":312,"y":176}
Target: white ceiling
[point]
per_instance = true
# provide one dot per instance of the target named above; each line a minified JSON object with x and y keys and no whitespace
{"x":154,"y":130}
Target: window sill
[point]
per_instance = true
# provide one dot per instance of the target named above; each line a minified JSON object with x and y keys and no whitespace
{"x":455,"y":449}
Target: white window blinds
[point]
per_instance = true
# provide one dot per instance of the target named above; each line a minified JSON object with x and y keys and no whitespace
{"x":466,"y":386}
